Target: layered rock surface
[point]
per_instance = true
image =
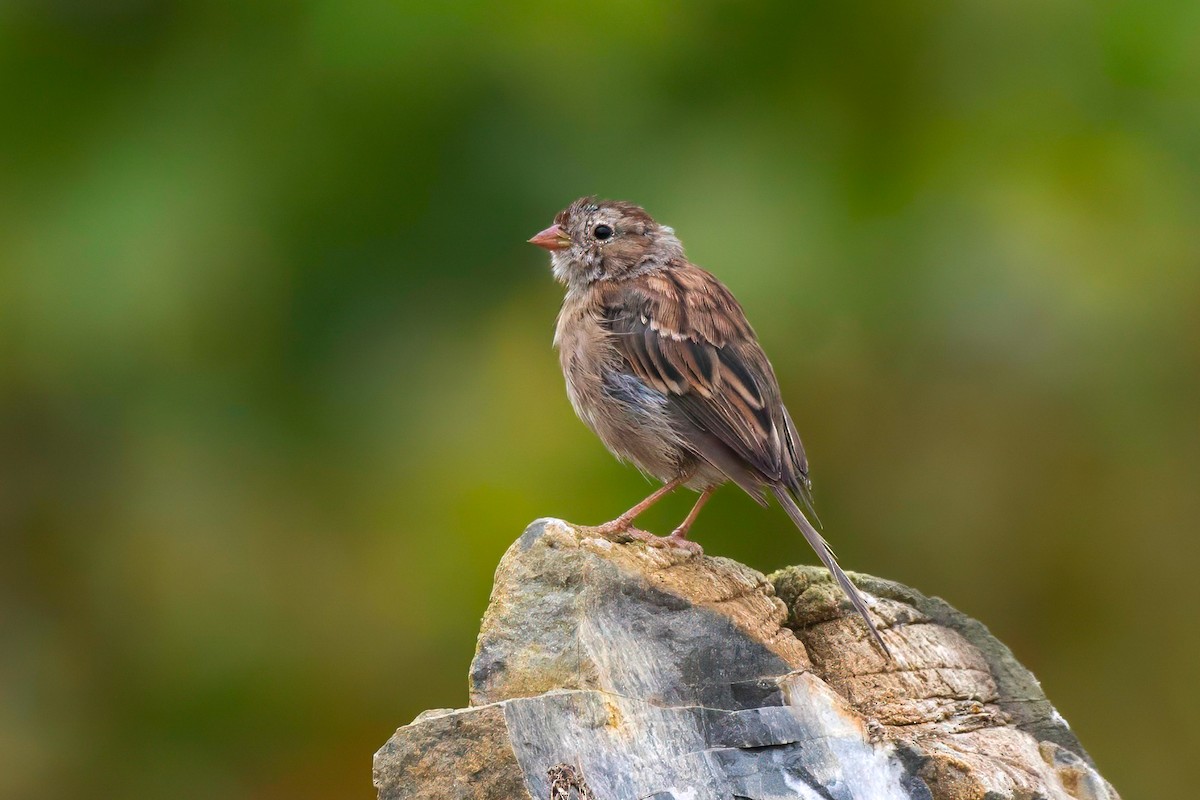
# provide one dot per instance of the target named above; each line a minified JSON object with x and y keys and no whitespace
{"x":618,"y":671}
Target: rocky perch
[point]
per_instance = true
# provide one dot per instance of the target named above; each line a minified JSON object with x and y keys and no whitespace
{"x":617,"y":671}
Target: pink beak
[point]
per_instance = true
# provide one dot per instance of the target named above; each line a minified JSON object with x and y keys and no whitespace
{"x":553,"y":238}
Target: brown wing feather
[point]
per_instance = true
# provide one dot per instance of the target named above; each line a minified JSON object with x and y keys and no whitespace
{"x":682,"y":332}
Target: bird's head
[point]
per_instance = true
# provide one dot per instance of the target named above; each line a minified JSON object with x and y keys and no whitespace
{"x":592,"y":240}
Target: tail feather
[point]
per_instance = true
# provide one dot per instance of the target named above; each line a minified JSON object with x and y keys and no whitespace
{"x":824,"y":553}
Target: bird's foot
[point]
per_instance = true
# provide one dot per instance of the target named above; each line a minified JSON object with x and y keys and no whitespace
{"x":616,"y":526}
{"x":678,"y":538}
{"x":622,"y":530}
{"x":666,"y":542}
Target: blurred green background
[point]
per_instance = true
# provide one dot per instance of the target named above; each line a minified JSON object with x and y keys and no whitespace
{"x":277,"y":390}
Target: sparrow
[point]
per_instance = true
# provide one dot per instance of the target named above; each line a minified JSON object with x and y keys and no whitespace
{"x":662,"y":365}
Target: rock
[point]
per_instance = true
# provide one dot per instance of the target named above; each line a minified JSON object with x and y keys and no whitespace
{"x":612,"y":670}
{"x":460,"y":754}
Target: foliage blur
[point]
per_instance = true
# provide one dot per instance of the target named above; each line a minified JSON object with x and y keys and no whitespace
{"x":277,"y":391}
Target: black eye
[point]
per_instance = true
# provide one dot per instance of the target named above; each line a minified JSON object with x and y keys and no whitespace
{"x":602,"y":232}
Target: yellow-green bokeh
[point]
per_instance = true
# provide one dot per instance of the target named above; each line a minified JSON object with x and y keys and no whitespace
{"x":276,"y":385}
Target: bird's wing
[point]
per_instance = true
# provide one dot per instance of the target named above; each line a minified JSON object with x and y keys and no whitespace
{"x":682,"y":332}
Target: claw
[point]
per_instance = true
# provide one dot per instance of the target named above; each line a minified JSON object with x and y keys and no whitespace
{"x":678,"y":539}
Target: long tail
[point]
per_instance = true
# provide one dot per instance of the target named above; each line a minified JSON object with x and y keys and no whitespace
{"x":821,"y":547}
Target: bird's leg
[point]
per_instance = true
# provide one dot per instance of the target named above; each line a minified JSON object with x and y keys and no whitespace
{"x":678,"y":537}
{"x":680,"y":533}
{"x":625,"y":521}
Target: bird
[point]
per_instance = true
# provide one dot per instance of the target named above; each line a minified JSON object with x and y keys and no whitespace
{"x":662,"y":365}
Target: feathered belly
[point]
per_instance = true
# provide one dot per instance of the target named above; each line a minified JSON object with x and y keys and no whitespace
{"x":632,"y":419}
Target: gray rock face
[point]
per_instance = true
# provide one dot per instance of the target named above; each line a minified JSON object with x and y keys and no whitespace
{"x":614,"y":670}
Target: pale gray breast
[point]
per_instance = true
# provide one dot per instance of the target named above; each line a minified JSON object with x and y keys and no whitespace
{"x":631,"y":418}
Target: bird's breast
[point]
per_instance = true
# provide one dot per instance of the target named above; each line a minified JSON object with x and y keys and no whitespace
{"x":630,"y":418}
{"x":586,"y":355}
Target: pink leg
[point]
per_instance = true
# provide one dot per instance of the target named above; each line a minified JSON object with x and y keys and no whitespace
{"x":625,"y":521}
{"x":681,"y":532}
